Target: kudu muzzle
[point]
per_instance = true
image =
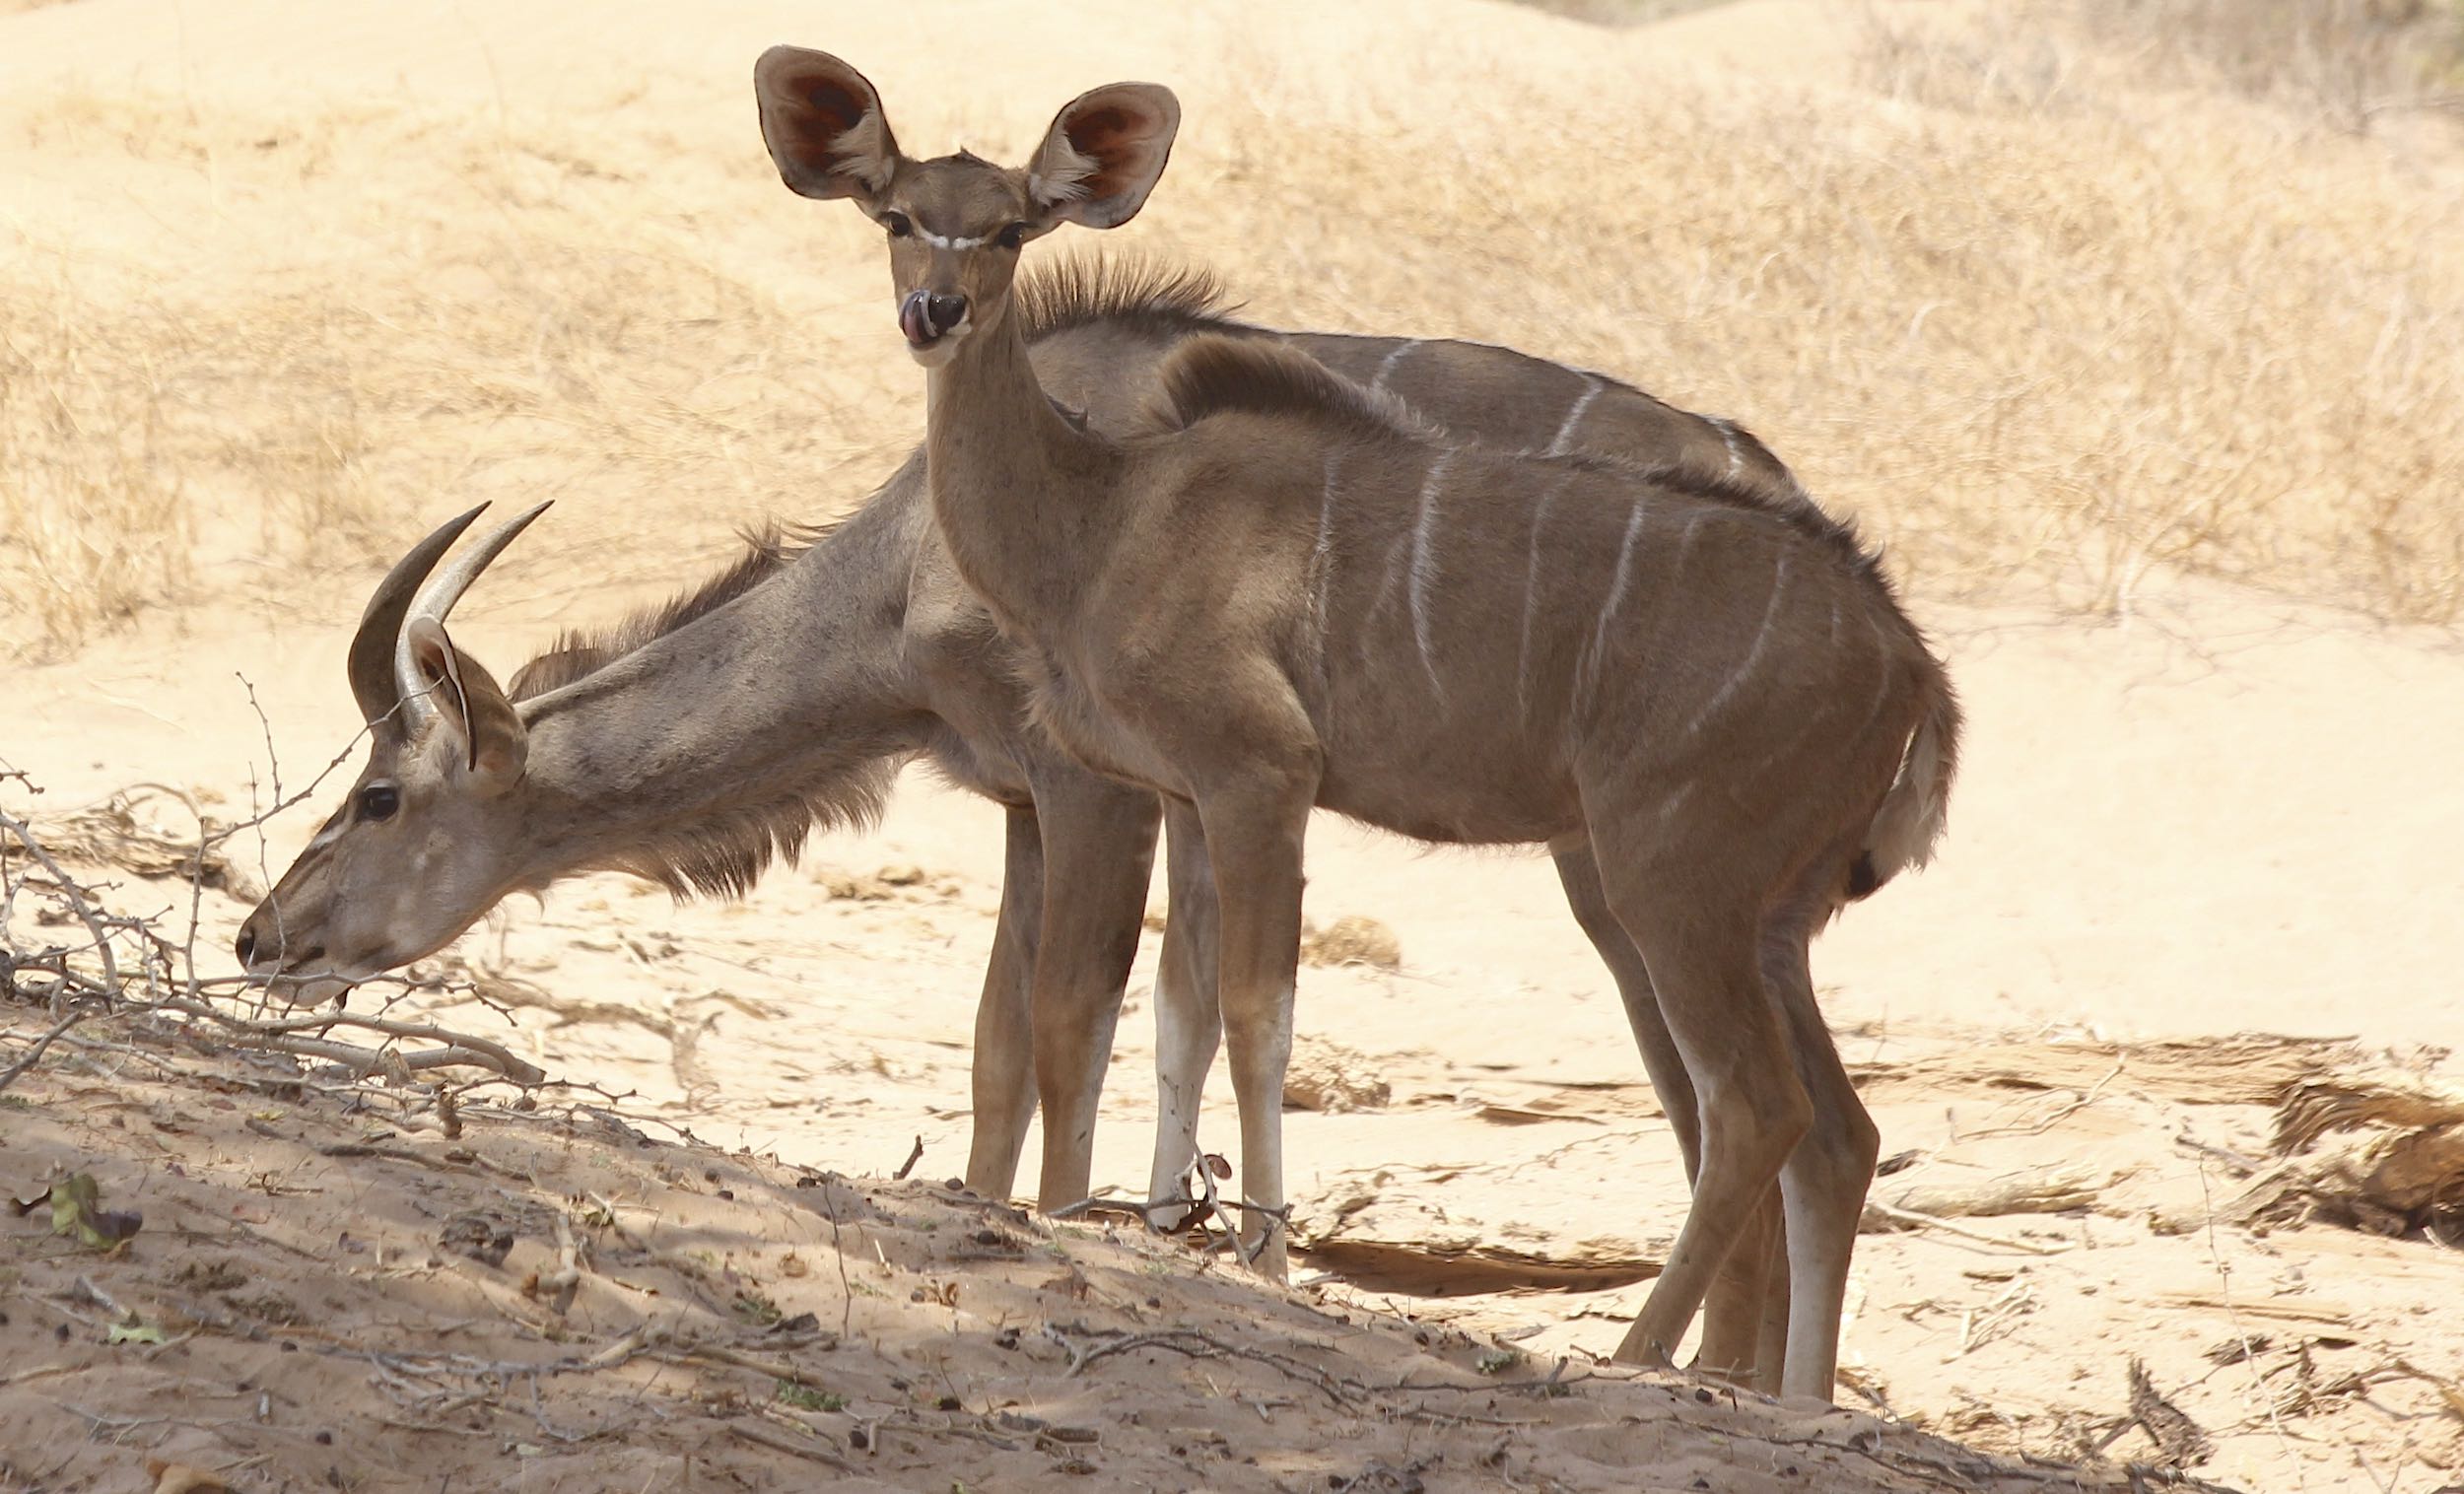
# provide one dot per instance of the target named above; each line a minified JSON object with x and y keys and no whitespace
{"x":927,"y":316}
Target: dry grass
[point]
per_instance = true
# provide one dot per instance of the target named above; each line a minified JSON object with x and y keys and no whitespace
{"x":241,"y":416}
{"x":2013,"y":293}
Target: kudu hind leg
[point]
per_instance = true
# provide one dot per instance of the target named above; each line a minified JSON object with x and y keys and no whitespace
{"x":1702,"y":952}
{"x":1254,"y":835}
{"x":1003,"y":1062}
{"x":1099,"y":853}
{"x":1189,"y":1025}
{"x":1735,"y":1309}
{"x":1826,"y":1176}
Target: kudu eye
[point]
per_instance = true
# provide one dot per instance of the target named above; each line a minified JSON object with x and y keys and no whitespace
{"x":1012,"y":236}
{"x":898,"y":224}
{"x":378,"y":801}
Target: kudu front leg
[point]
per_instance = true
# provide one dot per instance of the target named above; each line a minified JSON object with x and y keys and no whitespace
{"x":1189,"y":1025}
{"x":1254,"y":835}
{"x":1099,"y":854}
{"x":1003,"y":1063}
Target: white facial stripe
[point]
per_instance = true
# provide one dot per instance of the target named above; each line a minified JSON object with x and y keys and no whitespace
{"x":939,"y":243}
{"x":1574,"y":416}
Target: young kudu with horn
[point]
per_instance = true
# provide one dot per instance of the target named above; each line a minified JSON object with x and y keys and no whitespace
{"x":1292,"y":592}
{"x":692,"y":743}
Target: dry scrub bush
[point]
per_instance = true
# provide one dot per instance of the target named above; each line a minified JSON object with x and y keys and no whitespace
{"x":2045,"y":320}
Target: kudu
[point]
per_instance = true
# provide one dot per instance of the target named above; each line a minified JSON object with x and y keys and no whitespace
{"x":1288,"y":591}
{"x":694,"y":742}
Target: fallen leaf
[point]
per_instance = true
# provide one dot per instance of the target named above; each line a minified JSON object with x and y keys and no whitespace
{"x":180,"y":1478}
{"x":77,"y":1211}
{"x":134,"y":1333}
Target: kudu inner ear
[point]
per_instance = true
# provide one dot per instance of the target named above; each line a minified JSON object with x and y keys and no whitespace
{"x":471,"y":705}
{"x":1102,"y":153}
{"x":824,"y":125}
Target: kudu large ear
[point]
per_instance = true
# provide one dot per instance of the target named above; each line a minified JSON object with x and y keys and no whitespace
{"x":472,"y":707}
{"x":823,"y":125}
{"x":1102,"y":153}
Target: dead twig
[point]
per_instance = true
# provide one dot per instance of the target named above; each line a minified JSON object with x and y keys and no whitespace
{"x":1194,"y":1345}
{"x":1928,"y":1221}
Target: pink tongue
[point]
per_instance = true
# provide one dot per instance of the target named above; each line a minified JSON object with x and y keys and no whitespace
{"x":911,"y":320}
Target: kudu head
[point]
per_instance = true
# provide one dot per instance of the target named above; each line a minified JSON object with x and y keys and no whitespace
{"x":419,"y":850}
{"x":956,"y":223}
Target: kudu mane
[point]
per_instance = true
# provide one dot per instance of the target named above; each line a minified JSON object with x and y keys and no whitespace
{"x":581,"y":652}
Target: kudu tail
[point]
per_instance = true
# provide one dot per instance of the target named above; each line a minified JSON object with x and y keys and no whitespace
{"x":1910,"y":820}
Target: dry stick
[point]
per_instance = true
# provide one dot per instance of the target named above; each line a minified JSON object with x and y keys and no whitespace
{"x":207,"y":842}
{"x":2039,"y":1127}
{"x":847,"y":1293}
{"x":909,"y":1165}
{"x":9,"y":1076}
{"x":273,"y":1034}
{"x":711,"y":1353}
{"x":1930,"y":1221}
{"x":761,"y":1437}
{"x":70,"y":892}
{"x":1198,"y":1345}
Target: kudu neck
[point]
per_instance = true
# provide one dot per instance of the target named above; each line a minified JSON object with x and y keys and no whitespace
{"x":1024,"y":495}
{"x":795,"y":690}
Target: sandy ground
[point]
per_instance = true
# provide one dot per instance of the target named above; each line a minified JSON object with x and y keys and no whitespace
{"x":2055,"y":1007}
{"x":2200,"y":855}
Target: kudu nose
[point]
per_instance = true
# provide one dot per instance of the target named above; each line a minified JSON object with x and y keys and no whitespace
{"x":246,"y":946}
{"x":926,"y":317}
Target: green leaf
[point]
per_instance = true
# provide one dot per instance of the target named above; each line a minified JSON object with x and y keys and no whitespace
{"x":134,"y":1333}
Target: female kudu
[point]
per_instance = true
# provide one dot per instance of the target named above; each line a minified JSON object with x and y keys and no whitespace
{"x":1289,"y":592}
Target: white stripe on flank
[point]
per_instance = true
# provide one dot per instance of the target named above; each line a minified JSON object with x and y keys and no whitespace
{"x":1676,"y":801}
{"x":1424,"y":564}
{"x":1530,"y":596}
{"x":1617,"y":589}
{"x":1574,"y":416}
{"x":1386,"y":365}
{"x":1322,"y":556}
{"x":1754,"y":655}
